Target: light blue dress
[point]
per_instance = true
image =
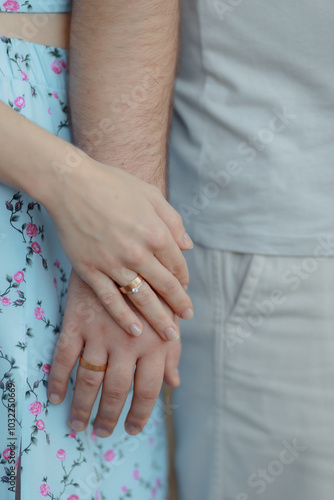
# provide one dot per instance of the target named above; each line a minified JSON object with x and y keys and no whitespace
{"x":55,"y":462}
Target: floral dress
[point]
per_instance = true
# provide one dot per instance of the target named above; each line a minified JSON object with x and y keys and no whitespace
{"x":54,"y":461}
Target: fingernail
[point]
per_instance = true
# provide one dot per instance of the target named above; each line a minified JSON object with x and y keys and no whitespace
{"x":188,"y":241}
{"x":77,"y":425}
{"x":54,"y":399}
{"x":135,"y":330}
{"x":131,"y":429}
{"x":185,"y":287}
{"x":102,"y":433}
{"x":188,"y":314}
{"x":171,"y":334}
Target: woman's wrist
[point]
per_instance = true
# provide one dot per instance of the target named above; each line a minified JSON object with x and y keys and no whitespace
{"x":38,"y":166}
{"x":60,"y":167}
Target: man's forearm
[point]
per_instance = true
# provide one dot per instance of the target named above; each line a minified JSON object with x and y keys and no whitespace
{"x":122,"y":70}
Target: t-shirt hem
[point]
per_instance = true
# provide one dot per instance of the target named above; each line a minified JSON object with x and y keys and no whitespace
{"x":297,"y":245}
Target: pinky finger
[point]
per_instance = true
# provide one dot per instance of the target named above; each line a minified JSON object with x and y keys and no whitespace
{"x":171,"y":374}
{"x":112,"y":299}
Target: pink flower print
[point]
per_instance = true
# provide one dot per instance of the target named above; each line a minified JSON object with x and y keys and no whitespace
{"x":151,"y":441}
{"x":57,"y":264}
{"x":158,"y":482}
{"x":72,"y":434}
{"x":49,"y":111}
{"x":136,"y":474}
{"x":18,"y":205}
{"x":24,"y":76}
{"x":39,"y":313}
{"x":44,"y":489}
{"x":93,"y":436}
{"x":154,"y":493}
{"x":63,"y":63}
{"x":11,"y":5}
{"x":5,"y":301}
{"x":19,"y":102}
{"x":40,"y":425}
{"x":35,"y":408}
{"x":7,"y":453}
{"x":19,"y":276}
{"x":73,"y":497}
{"x":109,"y":456}
{"x":31,"y":230}
{"x":46,"y":369}
{"x":97,"y":495}
{"x":35,"y":247}
{"x":61,"y":454}
{"x":124,"y":488}
{"x":54,"y":94}
{"x":55,"y":282}
{"x":56,"y":67}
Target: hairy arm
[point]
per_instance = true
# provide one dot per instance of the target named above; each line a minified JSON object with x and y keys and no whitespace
{"x":123,"y":63}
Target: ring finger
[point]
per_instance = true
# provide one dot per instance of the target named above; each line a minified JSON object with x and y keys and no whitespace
{"x":147,"y":302}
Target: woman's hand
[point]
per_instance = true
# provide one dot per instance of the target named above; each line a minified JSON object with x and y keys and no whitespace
{"x":113,"y":227}
{"x":88,"y":325}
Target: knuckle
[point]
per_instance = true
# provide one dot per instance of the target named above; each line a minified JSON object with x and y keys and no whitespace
{"x":168,"y":287}
{"x":63,"y":343}
{"x":135,"y":255}
{"x":147,"y":394}
{"x":120,"y":388}
{"x":158,"y":238}
{"x":116,"y":393}
{"x":144,"y":297}
{"x":88,"y":380}
{"x":122,"y":316}
{"x":62,"y":360}
{"x":179,"y":268}
{"x":109,"y":297}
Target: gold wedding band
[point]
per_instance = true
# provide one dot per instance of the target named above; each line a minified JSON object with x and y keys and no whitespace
{"x":134,"y":286}
{"x":90,"y":366}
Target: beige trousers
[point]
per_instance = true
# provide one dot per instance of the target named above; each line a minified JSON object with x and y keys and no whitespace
{"x":254,"y":416}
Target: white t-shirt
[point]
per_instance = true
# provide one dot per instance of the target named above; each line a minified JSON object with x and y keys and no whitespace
{"x":252,"y":144}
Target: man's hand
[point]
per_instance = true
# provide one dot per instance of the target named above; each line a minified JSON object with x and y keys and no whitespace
{"x":88,"y":325}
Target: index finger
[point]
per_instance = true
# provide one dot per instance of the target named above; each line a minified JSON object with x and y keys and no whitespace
{"x":66,"y":354}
